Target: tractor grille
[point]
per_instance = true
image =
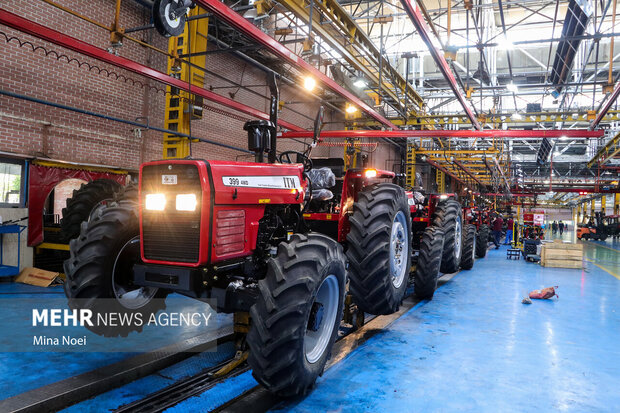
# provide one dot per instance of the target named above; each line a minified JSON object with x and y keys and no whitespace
{"x":171,"y":235}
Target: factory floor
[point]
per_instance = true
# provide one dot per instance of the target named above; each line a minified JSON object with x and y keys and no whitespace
{"x":474,"y":347}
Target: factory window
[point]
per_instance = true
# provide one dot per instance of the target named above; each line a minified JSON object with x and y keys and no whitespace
{"x":11,"y":183}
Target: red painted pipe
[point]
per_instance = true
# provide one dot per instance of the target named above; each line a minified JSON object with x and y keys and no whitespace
{"x":487,"y":133}
{"x":44,"y":33}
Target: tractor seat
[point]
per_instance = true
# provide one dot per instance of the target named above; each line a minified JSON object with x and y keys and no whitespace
{"x":322,"y":179}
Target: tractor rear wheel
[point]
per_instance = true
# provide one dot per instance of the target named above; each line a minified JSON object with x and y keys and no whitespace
{"x":482,"y":243}
{"x":297,"y":314}
{"x":469,"y":248}
{"x":83,"y":202}
{"x":379,"y":248}
{"x":449,"y":218}
{"x":100,"y":269}
{"x":429,"y":261}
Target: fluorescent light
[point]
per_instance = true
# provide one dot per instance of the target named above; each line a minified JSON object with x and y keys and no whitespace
{"x":309,"y":83}
{"x":360,"y":83}
{"x":563,"y":138}
{"x":155,"y":202}
{"x":512,"y":87}
{"x":351,"y":109}
{"x":517,"y":116}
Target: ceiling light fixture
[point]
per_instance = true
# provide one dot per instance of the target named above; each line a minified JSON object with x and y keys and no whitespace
{"x":309,"y":83}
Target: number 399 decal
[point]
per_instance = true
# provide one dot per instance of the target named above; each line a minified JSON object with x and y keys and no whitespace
{"x":269,"y":182}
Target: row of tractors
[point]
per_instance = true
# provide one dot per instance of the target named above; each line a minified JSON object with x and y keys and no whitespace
{"x":287,"y":241}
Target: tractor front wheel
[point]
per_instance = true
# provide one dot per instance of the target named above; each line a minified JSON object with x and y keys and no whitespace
{"x":469,"y":248}
{"x":449,"y":218}
{"x":297,"y":314}
{"x":482,"y":243}
{"x":429,"y":261}
{"x":379,"y":248}
{"x":100,"y":269}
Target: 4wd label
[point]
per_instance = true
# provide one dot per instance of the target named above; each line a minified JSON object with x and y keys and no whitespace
{"x":169,"y":179}
{"x":269,"y":182}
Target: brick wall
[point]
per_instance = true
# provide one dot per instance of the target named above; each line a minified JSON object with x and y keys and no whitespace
{"x":38,"y":130}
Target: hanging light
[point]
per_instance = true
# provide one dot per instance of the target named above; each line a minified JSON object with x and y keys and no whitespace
{"x":309,"y":83}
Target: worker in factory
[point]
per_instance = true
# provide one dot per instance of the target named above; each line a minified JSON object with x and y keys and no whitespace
{"x":497,"y":230}
{"x":509,"y":227}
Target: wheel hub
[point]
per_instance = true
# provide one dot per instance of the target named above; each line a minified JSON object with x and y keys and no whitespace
{"x":322,"y":319}
{"x":129,"y":296}
{"x":399,"y":248}
{"x":316,"y":316}
{"x":457,"y":237}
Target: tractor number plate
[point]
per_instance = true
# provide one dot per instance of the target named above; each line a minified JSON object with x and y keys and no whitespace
{"x":169,"y":179}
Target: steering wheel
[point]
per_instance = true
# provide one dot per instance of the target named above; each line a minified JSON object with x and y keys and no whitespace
{"x":285,"y":157}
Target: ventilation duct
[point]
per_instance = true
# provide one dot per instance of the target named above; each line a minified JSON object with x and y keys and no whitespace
{"x":577,"y":16}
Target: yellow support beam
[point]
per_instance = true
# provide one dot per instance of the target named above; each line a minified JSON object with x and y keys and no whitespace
{"x":611,"y":148}
{"x":603,"y":204}
{"x":181,"y":108}
{"x":440,"y":179}
{"x":411,"y":153}
{"x":617,"y":204}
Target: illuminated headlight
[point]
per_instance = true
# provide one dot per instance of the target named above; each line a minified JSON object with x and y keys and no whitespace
{"x":370,"y":173}
{"x":186,"y":202}
{"x":155,"y":202}
{"x":443,"y":197}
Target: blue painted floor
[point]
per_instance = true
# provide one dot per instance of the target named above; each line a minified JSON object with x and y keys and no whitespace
{"x":40,"y":366}
{"x":475,"y":347}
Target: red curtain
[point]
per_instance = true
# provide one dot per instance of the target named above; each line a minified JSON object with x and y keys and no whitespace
{"x":41,"y":181}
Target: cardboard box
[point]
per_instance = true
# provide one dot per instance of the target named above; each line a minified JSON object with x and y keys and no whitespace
{"x":36,"y":276}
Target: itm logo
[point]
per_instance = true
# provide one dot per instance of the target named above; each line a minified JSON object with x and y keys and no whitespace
{"x":56,"y":317}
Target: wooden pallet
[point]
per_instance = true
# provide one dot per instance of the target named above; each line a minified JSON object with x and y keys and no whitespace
{"x":559,"y":254}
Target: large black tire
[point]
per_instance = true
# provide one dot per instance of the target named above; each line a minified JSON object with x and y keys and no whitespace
{"x":482,"y":243}
{"x":287,"y":311}
{"x":449,"y":218}
{"x":82,"y":203}
{"x":469,"y":248}
{"x":380,"y":210}
{"x":429,"y":261}
{"x":101,"y":263}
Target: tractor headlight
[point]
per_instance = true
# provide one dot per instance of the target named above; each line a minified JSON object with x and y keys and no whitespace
{"x":186,"y":202}
{"x":155,"y":202}
{"x":370,"y":173}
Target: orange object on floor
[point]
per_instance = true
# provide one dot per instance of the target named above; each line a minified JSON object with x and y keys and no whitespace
{"x":545,"y":293}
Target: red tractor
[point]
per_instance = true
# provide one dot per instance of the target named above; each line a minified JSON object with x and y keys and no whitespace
{"x":440,"y":233}
{"x":268,"y":239}
{"x":481,"y":218}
